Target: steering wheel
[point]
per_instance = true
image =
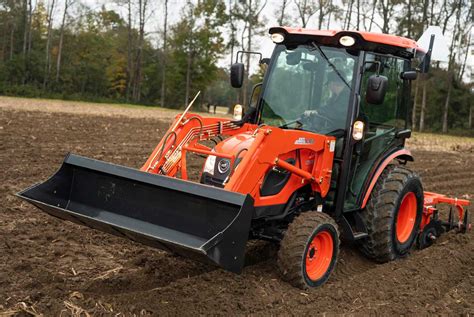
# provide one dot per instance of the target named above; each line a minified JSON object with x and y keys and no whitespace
{"x":308,"y":116}
{"x":329,"y":120}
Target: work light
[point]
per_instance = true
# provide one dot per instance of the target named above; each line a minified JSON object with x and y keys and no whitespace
{"x":278,"y":38}
{"x":347,"y":40}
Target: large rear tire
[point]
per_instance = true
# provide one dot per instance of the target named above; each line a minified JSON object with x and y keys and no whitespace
{"x":393,"y":214}
{"x":309,"y":249}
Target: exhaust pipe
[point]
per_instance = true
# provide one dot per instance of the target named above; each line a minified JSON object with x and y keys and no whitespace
{"x":193,"y":220}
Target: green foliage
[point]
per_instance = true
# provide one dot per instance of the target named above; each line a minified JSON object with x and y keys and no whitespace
{"x":94,"y":62}
{"x":197,"y":44}
{"x":460,"y":102}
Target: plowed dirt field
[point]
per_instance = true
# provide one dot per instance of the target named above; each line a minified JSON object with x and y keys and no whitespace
{"x":52,"y":267}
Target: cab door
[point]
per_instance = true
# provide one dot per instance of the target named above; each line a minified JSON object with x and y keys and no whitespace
{"x":382,"y":122}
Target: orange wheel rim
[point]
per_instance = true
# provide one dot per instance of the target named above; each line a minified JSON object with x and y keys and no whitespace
{"x":406,"y":217}
{"x":319,"y":255}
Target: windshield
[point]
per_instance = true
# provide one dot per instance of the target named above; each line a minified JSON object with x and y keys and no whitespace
{"x":309,"y":88}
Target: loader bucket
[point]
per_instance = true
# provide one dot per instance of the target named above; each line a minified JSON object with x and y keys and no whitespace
{"x":190,"y":219}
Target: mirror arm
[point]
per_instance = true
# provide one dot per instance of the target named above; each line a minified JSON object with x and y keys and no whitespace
{"x":378,"y":63}
{"x":253,"y":92}
{"x":241,"y":53}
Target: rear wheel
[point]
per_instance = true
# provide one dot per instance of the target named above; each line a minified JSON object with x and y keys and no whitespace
{"x":393,"y":214}
{"x":308,"y":251}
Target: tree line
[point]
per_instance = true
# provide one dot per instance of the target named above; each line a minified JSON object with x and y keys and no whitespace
{"x":66,"y":49}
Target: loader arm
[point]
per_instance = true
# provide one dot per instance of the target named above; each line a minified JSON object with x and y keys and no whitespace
{"x":187,"y":131}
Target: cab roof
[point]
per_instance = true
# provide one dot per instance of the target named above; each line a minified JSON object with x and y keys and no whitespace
{"x":378,"y":42}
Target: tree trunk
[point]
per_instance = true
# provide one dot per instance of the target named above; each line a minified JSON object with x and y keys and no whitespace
{"x":423,"y":106}
{"x":424,"y":17}
{"x":446,"y":104}
{"x":30,"y":21}
{"x":358,"y":15}
{"x":452,"y":59}
{"x":374,"y":5}
{"x":163,"y":73}
{"x":413,"y":113}
{"x":142,"y":6}
{"x":431,"y":12}
{"x":129,"y":52}
{"x":47,"y":67}
{"x":322,"y":13}
{"x":468,"y":48}
{"x":61,"y":41}
{"x":12,"y":41}
{"x":471,"y":113}
{"x":282,"y":13}
{"x":385,"y":16}
{"x":25,"y":26}
{"x":232,"y":33}
{"x":249,"y":48}
{"x":303,"y":9}
{"x":26,"y":35}
{"x":188,"y":78}
{"x":347,"y":20}
{"x":4,"y":40}
{"x":329,"y":19}
{"x":409,"y":17}
{"x":302,"y":12}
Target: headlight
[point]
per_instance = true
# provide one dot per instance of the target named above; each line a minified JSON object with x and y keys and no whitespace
{"x":358,"y":130}
{"x":238,"y":112}
{"x":223,"y":166}
{"x":209,"y":165}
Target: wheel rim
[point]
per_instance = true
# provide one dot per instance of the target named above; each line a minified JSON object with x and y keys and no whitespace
{"x":406,"y":217}
{"x":319,"y":255}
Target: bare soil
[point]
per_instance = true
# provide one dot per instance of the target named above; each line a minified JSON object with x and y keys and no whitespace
{"x":52,"y":267}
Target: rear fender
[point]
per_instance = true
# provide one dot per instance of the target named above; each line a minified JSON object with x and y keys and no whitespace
{"x":401,"y":154}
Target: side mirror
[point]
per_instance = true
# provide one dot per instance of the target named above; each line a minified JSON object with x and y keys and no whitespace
{"x":376,"y":89}
{"x":265,"y":61}
{"x":237,"y":75}
{"x":409,"y":75}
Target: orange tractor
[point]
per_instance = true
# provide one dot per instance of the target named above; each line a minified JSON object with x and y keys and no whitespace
{"x":318,"y":156}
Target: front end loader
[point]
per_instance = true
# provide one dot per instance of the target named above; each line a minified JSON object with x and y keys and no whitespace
{"x":318,"y":156}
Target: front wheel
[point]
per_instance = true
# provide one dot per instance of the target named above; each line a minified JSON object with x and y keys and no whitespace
{"x":309,"y":249}
{"x":393,"y":214}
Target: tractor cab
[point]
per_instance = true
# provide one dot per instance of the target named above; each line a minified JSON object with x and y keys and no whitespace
{"x":354,"y":86}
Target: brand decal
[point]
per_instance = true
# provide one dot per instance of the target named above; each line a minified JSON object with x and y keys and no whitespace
{"x":304,"y":141}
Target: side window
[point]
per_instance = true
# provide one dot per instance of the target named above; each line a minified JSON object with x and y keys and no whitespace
{"x":392,"y":113}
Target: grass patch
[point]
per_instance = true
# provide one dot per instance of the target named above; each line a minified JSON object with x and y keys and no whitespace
{"x":441,"y":142}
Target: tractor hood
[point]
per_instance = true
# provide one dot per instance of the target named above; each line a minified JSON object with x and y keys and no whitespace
{"x":217,"y":169}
